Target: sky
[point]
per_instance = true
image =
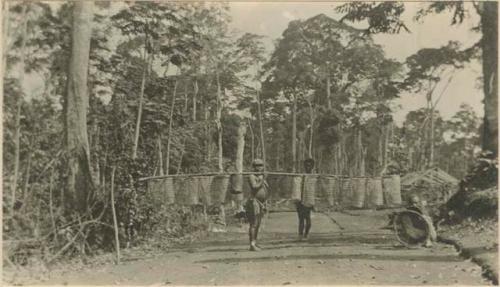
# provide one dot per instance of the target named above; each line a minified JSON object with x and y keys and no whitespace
{"x":270,"y":19}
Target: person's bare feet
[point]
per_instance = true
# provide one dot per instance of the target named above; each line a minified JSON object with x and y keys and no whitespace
{"x":254,"y":248}
{"x":428,"y":244}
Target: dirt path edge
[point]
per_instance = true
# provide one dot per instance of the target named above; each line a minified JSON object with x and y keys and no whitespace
{"x":489,"y":271}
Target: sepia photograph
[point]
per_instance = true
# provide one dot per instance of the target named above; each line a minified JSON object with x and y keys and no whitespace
{"x":152,"y":143}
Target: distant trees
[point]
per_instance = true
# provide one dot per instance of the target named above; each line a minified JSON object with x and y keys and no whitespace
{"x":384,"y":17}
{"x":326,"y":71}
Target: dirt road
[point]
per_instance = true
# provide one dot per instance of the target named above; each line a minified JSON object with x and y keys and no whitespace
{"x":361,"y":253}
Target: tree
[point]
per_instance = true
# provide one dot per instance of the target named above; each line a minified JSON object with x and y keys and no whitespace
{"x":384,"y":17}
{"x":427,"y":68}
{"x":325,"y":70}
{"x":80,"y":184}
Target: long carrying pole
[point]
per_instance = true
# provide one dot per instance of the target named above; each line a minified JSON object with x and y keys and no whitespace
{"x":246,"y":173}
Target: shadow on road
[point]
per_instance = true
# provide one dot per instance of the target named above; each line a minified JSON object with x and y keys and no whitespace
{"x":430,"y":258}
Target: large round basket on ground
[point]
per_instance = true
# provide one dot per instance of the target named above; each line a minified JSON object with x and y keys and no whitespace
{"x":411,"y":228}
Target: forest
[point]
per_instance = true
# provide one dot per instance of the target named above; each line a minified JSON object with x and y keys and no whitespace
{"x":137,"y":89}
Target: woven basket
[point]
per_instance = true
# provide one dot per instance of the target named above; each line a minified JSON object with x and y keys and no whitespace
{"x":236,"y":183}
{"x":155,"y":190}
{"x":309,"y":194}
{"x":204,"y":183}
{"x":358,"y":192}
{"x":181,"y":193}
{"x":295,"y":183}
{"x":374,"y":192}
{"x":168,"y":190}
{"x":411,"y":228}
{"x":345,"y":192}
{"x":392,"y":190}
{"x":191,"y":185}
{"x":277,"y":187}
{"x":218,"y":188}
{"x":327,"y":187}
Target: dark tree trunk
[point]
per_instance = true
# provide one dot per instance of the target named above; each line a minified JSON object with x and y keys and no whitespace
{"x":489,"y":25}
{"x":79,"y":181}
{"x":294,"y":134}
{"x":261,"y":127}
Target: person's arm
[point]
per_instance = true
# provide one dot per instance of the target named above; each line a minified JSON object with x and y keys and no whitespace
{"x":255,"y":182}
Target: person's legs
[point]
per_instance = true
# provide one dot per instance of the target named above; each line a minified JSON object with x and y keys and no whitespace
{"x":300,"y":215}
{"x":253,"y":216}
{"x":307,"y":219}
{"x":257,"y":225}
{"x":432,"y":232}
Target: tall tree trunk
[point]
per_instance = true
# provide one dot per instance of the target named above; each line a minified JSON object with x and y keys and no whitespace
{"x":186,"y":98}
{"x":386,"y":147}
{"x":139,"y":109}
{"x":160,"y":156}
{"x":207,"y":132}
{"x":294,"y":134}
{"x":380,"y":145}
{"x":170,"y":124}
{"x":431,"y":137}
{"x":261,"y":127}
{"x":328,"y":96}
{"x":27,"y":176}
{"x":206,"y":115}
{"x":301,"y":149}
{"x":311,"y":130}
{"x":218,"y":121}
{"x":489,"y":26}
{"x":183,"y":151}
{"x":361,"y":153}
{"x":277,"y":158}
{"x":19,"y":102}
{"x":240,"y":145}
{"x":195,"y":95}
{"x":253,"y":139}
{"x":5,"y":34}
{"x":79,"y":181}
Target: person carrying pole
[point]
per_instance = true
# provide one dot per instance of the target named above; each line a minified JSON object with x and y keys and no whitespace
{"x":303,"y":209}
{"x":255,"y":206}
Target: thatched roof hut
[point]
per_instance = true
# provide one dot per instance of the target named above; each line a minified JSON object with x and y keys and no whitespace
{"x":433,"y":185}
